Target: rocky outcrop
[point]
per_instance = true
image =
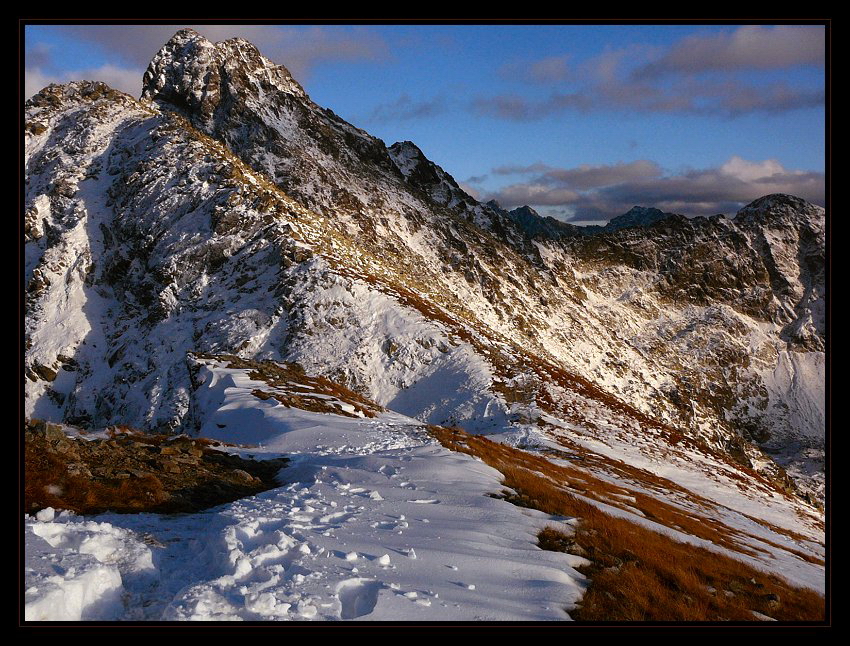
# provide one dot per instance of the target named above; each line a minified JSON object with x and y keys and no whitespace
{"x":135,"y":472}
{"x":230,"y":92}
{"x":207,"y":80}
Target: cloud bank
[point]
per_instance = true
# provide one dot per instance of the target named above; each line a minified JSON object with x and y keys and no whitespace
{"x":603,"y":192}
{"x":748,"y":47}
{"x":709,"y":75}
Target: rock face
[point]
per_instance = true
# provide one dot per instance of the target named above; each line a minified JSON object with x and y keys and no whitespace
{"x":211,"y":80}
{"x":226,"y":212}
{"x":230,"y":92}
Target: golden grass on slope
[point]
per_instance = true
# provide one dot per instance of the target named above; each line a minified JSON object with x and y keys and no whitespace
{"x":637,"y":574}
{"x":702,"y":526}
{"x":48,"y":484}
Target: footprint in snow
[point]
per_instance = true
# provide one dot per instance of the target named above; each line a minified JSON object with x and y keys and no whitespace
{"x":336,"y":517}
{"x":386,"y":526}
{"x":357,"y":597}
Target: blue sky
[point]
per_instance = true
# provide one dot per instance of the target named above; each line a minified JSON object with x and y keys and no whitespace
{"x":580,"y":121}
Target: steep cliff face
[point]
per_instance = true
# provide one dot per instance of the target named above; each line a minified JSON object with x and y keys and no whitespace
{"x":144,"y":252}
{"x":225,"y":212}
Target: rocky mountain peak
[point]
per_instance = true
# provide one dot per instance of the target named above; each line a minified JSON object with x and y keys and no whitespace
{"x":186,"y":34}
{"x":420,"y":171}
{"x":407,"y":148}
{"x":75,"y":92}
{"x":410,"y":159}
{"x":780,"y":208}
{"x":525,"y":211}
{"x":443,"y":190}
{"x":637,"y":216}
{"x":240,"y":46}
{"x":200,"y":77}
{"x":534,"y":225}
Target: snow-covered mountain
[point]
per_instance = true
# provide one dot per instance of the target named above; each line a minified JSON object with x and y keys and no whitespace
{"x":226,"y":213}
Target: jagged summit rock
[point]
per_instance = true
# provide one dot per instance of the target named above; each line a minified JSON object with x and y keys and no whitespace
{"x":777,"y":207}
{"x":230,"y":92}
{"x":62,"y":94}
{"x":191,"y":73}
{"x":534,"y":225}
{"x":525,"y":212}
{"x":423,"y":174}
{"x":637,"y":216}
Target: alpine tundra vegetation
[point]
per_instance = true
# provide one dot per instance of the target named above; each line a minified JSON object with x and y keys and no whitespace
{"x":372,"y":397}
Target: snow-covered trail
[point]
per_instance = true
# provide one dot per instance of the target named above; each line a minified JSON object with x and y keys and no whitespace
{"x":401,"y":534}
{"x":378,"y":522}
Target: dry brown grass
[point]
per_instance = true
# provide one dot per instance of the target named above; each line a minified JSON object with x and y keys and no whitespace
{"x":638,"y":574}
{"x":653,"y":508}
{"x":133,"y":472}
{"x":48,"y":484}
{"x":520,"y":466}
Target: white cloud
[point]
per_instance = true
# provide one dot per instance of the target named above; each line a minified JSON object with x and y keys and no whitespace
{"x":748,"y":47}
{"x":35,"y":81}
{"x":642,"y":78}
{"x":534,"y":194}
{"x":124,"y":79}
{"x":606,"y":191}
{"x":748,"y":171}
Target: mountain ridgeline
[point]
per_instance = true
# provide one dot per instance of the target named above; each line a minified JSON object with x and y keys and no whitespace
{"x":225,"y":212}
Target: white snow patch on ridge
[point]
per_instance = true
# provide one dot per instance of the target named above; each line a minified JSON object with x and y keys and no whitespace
{"x":391,"y":352}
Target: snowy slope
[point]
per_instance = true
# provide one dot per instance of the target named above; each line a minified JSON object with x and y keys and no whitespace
{"x":379,"y":522}
{"x":226,"y":213}
{"x":375,"y":521}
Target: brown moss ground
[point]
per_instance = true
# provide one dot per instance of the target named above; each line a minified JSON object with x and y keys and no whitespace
{"x":134,"y":472}
{"x":637,"y":574}
{"x":653,"y":508}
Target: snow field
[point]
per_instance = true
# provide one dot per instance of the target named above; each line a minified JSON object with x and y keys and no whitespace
{"x":407,"y":534}
{"x":377,"y":522}
{"x":74,"y":567}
